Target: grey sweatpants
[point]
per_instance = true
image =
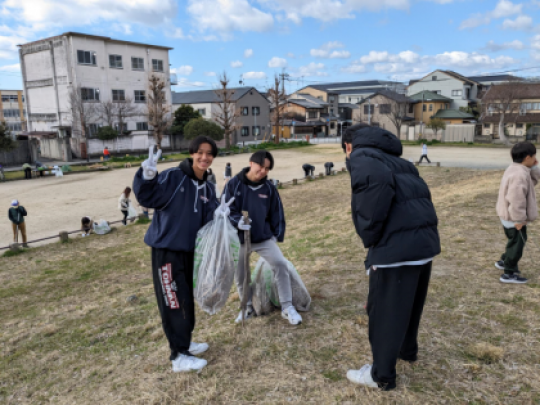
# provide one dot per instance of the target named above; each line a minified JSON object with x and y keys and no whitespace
{"x":269,"y":251}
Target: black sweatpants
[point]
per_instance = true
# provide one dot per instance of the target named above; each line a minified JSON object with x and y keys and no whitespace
{"x":514,"y":248}
{"x":173,"y":283}
{"x":422,"y":158}
{"x":395,"y":303}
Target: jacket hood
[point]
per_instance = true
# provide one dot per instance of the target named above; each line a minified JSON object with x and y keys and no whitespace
{"x":187,"y":167}
{"x":373,"y":137}
{"x":244,"y":179}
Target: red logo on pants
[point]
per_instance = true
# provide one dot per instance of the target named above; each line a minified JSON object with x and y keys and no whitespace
{"x":165,"y":274}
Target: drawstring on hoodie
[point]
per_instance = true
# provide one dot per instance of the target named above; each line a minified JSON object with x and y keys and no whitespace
{"x":197,"y":188}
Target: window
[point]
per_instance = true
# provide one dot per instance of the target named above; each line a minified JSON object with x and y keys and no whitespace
{"x":142,"y":126}
{"x":457,"y":93}
{"x":436,"y":91}
{"x":331,"y":111}
{"x":140,"y":96}
{"x":88,"y":94}
{"x":256,"y":110}
{"x":369,"y":108}
{"x":14,"y":126}
{"x":115,"y":61}
{"x":86,"y":58}
{"x":384,"y":108}
{"x":13,"y":98}
{"x":424,"y":108}
{"x":137,"y":63}
{"x":313,"y":114}
{"x":411,"y":108}
{"x":331,"y":99}
{"x":12,"y":113}
{"x":434,"y":78}
{"x":157,"y":65}
{"x":256,"y":131}
{"x":431,"y":107}
{"x":245,"y":131}
{"x":245,"y":110}
{"x":332,"y":125}
{"x":518,"y":126}
{"x":487,"y":125}
{"x":120,"y":127}
{"x":91,"y":130}
{"x":118,"y":95}
{"x":202,"y":111}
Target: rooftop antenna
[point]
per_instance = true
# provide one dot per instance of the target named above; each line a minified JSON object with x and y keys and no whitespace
{"x":241,"y":81}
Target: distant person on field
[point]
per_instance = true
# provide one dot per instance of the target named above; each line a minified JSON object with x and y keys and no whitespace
{"x":228,"y":172}
{"x":106,"y":153}
{"x":394,"y":216}
{"x":308,"y":169}
{"x":516,"y":206}
{"x":424,"y":154}
{"x":16,"y":214}
{"x":123,"y":204}
{"x":211,"y":177}
{"x":328,"y":166}
{"x":86,"y":226}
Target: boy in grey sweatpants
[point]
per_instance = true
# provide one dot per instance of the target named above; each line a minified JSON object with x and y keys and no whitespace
{"x":254,"y":193}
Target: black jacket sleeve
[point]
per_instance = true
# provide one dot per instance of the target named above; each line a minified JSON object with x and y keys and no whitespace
{"x":373,"y":191}
{"x":276,"y":214}
{"x":156,"y":193}
{"x":22,"y":210}
{"x":236,"y":206}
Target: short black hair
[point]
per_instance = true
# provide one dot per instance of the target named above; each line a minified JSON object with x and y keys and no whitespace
{"x":347,"y":136}
{"x":197,"y":142}
{"x":521,"y":150}
{"x":259,"y":157}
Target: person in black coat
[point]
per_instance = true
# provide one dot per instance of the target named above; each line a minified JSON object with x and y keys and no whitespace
{"x":183,"y":202}
{"x":396,"y":220}
{"x":308,"y":169}
{"x":328,"y":166}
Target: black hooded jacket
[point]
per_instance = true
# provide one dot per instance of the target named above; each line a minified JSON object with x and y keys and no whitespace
{"x":391,"y":204}
{"x":261,"y":200}
{"x":183,"y":204}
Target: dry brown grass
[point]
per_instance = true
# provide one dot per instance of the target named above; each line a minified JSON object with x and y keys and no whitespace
{"x":69,"y":335}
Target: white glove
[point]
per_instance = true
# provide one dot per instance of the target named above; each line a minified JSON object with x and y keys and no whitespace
{"x":243,"y":226}
{"x":149,"y":166}
{"x":223,"y":208}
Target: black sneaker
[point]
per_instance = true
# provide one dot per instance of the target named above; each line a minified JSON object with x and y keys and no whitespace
{"x":500,"y":266}
{"x":512,"y":279}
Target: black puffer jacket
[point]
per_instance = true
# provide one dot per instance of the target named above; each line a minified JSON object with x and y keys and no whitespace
{"x":391,"y":204}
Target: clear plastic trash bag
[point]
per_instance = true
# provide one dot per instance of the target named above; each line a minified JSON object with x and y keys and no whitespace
{"x":216,"y":258}
{"x":265,"y":294}
{"x":101,"y":227}
{"x":132,"y":212}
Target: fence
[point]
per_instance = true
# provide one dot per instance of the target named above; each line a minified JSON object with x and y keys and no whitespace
{"x":330,"y":139}
{"x":452,"y":133}
{"x":18,"y":156}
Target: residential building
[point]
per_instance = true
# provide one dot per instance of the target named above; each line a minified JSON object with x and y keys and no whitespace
{"x":253,"y":122}
{"x":383,"y":108}
{"x":12,"y":111}
{"x":106,"y":70}
{"x":428,"y":104}
{"x":346,"y":115}
{"x":451,"y":117}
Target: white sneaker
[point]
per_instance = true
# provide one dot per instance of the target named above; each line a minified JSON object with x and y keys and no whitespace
{"x":291,"y":315}
{"x":250,"y":312}
{"x":187,"y":363}
{"x":83,"y":235}
{"x":197,"y":348}
{"x":362,"y":376}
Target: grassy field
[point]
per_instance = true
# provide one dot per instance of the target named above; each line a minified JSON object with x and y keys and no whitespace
{"x":69,"y":334}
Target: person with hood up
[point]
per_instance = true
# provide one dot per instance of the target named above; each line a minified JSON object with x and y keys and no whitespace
{"x":183,"y":202}
{"x":396,"y":220}
{"x":254,"y":193}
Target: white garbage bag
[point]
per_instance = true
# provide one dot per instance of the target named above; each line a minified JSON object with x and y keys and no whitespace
{"x":216,"y":258}
{"x":101,"y":227}
{"x":132,"y":212}
{"x":57,"y":171}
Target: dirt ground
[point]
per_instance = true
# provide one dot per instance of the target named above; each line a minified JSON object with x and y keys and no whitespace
{"x":56,"y":204}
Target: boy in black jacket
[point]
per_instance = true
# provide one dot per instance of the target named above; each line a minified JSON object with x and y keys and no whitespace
{"x":396,"y":220}
{"x":254,"y":193}
{"x":183,"y":203}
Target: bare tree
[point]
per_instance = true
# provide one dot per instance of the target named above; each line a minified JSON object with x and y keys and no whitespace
{"x":107,"y":112}
{"x":278,"y":102}
{"x":83,"y":108}
{"x":124,"y":110}
{"x":398,"y":113}
{"x":504,"y":100}
{"x":227,"y":115}
{"x":159,"y":113}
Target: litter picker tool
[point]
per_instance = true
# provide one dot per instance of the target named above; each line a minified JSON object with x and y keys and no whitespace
{"x":247,"y":275}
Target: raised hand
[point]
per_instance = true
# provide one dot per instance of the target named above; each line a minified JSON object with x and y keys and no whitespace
{"x":149,"y":166}
{"x":223,"y":208}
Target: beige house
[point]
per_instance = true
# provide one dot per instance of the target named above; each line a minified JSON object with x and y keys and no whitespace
{"x":12,"y":111}
{"x":385,"y":109}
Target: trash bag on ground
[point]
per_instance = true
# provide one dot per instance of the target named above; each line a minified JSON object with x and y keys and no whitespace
{"x":265,"y":294}
{"x":216,"y":258}
{"x":101,"y":227}
{"x":66,"y":168}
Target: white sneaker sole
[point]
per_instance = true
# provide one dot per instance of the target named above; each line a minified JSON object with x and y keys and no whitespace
{"x":499,"y":267}
{"x":352,"y":379}
{"x":201,"y":350}
{"x":505,"y":281}
{"x":287,"y":318}
{"x":188,"y":369}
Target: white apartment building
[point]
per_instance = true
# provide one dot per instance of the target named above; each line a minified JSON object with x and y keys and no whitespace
{"x":12,"y":111}
{"x":105,"y":69}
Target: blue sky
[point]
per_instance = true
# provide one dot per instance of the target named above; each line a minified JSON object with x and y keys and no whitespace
{"x":315,"y":40}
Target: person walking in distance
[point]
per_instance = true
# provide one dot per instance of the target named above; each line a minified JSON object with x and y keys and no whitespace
{"x":106,"y":153}
{"x":228,"y":172}
{"x":424,"y":154}
{"x":211,"y":177}
{"x":254,"y":193}
{"x":183,"y":202}
{"x":516,"y":207}
{"x":16,"y":214}
{"x":394,"y":216}
{"x":123,"y":203}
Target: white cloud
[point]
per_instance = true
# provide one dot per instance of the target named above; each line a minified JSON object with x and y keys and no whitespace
{"x":325,"y":51}
{"x":354,"y":68}
{"x":184,"y":70}
{"x":176,"y":32}
{"x":184,"y":82}
{"x":226,"y":16}
{"x":504,"y":8}
{"x":46,"y":14}
{"x":210,"y":74}
{"x":8,"y":46}
{"x":378,"y":57}
{"x":473,"y":60}
{"x":248,"y":53}
{"x":236,"y":64}
{"x":312,"y":69}
{"x":522,"y":22}
{"x":276,"y":62}
{"x":254,"y":75}
{"x":492,"y":46}
{"x":16,"y":67}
